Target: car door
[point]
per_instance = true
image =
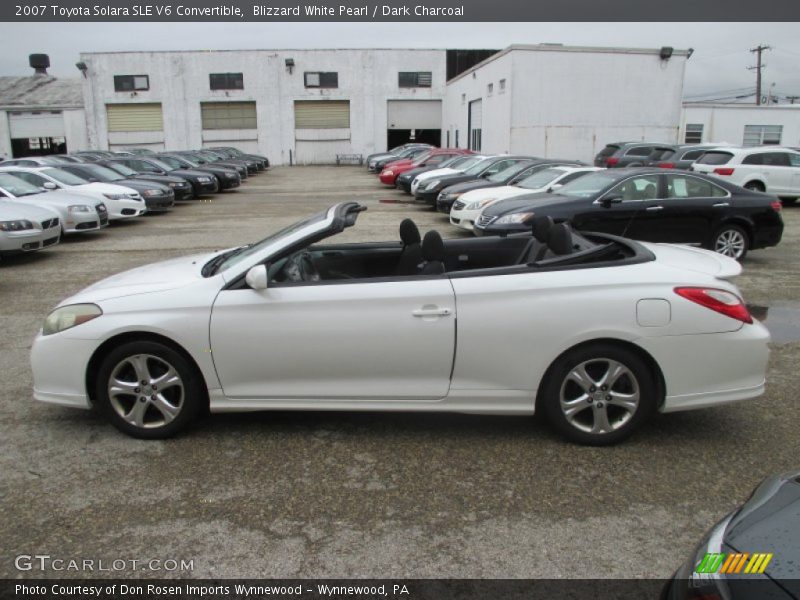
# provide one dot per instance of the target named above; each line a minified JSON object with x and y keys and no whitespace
{"x":618,"y":216}
{"x":386,"y":339}
{"x":780,"y":174}
{"x":794,"y":167}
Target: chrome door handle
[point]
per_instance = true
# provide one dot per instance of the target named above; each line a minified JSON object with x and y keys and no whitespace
{"x":431,"y":312}
{"x":654,"y":208}
{"x":718,"y":204}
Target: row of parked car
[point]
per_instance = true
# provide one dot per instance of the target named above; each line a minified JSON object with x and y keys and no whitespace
{"x":719,"y":197}
{"x":45,"y":197}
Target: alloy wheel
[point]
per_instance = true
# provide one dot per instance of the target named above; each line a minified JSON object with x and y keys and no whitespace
{"x":730,"y":242}
{"x":146,"y":391}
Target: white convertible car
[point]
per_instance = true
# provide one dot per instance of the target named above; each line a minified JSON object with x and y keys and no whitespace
{"x":595,"y":332}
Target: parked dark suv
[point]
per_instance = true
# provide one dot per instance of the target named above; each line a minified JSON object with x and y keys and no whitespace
{"x":679,"y":157}
{"x":626,"y":154}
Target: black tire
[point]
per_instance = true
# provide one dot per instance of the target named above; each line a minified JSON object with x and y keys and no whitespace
{"x":756,"y":186}
{"x":731,"y":240}
{"x":585,"y":424}
{"x":158,"y":417}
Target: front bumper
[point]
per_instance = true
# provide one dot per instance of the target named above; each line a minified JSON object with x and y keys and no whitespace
{"x":201,"y":187}
{"x":404,"y":184}
{"x":465,"y":219}
{"x":29,"y":240}
{"x":183,"y":193}
{"x":159,"y":203}
{"x":427,"y":196}
{"x":59,"y":369}
{"x":493,"y":229}
{"x":229,"y":184}
{"x":84,"y":222}
{"x":125,"y":209}
{"x":445,"y":203}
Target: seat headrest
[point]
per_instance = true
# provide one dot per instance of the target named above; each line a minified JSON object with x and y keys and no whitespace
{"x":541,"y":226}
{"x":560,"y":239}
{"x":409,"y":233}
{"x":433,"y":246}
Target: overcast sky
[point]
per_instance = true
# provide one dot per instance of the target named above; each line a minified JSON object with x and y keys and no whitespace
{"x":719,"y":63}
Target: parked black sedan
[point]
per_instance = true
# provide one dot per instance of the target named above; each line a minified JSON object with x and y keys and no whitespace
{"x":654,"y":205}
{"x":182,"y":188}
{"x":429,"y":191}
{"x":158,"y":197}
{"x":377,"y":164}
{"x":753,"y":553}
{"x":202,"y":182}
{"x":198,"y":161}
{"x":231,"y":152}
{"x":244,"y":166}
{"x":509,"y":176}
{"x":404,"y":179}
{"x":227,"y":177}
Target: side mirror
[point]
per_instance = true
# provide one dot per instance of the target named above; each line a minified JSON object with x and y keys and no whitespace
{"x":555,"y":187}
{"x":49,"y":185}
{"x":611,"y":199}
{"x":257,"y":277}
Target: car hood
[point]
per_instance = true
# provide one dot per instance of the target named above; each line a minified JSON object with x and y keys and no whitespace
{"x":468,"y":186}
{"x":378,"y":157}
{"x":403,"y":162}
{"x":498,"y":193}
{"x":154,"y":277}
{"x":525,"y":202}
{"x":11,"y":210}
{"x":438,"y":173}
{"x":59,"y":198}
{"x":411,"y":173}
{"x":189,"y":173}
{"x":770,"y":522}
{"x":140,"y":184}
{"x":165,"y":179}
{"x":97,"y":187}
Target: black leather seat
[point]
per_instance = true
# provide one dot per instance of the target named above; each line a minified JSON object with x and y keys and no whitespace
{"x":432,"y":254}
{"x":411,"y":255}
{"x":559,"y":242}
{"x":537,"y":246}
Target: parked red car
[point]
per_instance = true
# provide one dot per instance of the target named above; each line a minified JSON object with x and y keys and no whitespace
{"x":433,"y":157}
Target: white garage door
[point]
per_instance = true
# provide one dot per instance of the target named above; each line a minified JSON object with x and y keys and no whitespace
{"x":36,"y":124}
{"x":414,"y":114}
{"x":135,"y":117}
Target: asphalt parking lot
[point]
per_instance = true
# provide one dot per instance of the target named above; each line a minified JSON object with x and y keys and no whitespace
{"x":359,"y":495}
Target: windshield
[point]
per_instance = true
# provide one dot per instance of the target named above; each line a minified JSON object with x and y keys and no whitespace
{"x":175,"y":163}
{"x":237,"y":255}
{"x":478,"y":167}
{"x":62,"y":176}
{"x":421,"y":159}
{"x":540,"y":179}
{"x":159,"y":164}
{"x":102,"y":173}
{"x":16,"y":186}
{"x":588,"y":185}
{"x":508,"y":172}
{"x":120,"y":168}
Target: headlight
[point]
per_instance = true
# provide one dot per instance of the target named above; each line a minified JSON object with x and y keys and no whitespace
{"x":151,"y":193}
{"x":453,"y":195}
{"x":388,"y":172}
{"x":173,"y":184}
{"x":514,"y":219}
{"x":20,"y":225}
{"x":204,"y":179}
{"x":480,"y":204}
{"x":80,"y":208}
{"x":116,"y":196}
{"x":69,"y":316}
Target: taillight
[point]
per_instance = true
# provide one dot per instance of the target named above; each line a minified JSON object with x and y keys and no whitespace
{"x":610,"y":161}
{"x":723,"y":171}
{"x":776,"y":206}
{"x":666,"y":165}
{"x":719,"y":301}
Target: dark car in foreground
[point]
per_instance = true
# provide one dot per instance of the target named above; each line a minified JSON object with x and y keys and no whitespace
{"x":202,"y":182}
{"x":509,"y":176}
{"x":158,"y":197}
{"x":429,"y":191}
{"x":653,"y":205}
{"x":751,"y":554}
{"x":182,"y":188}
{"x":227,"y":177}
{"x":626,"y":154}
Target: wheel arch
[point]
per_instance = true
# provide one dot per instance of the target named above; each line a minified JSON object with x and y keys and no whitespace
{"x":757,"y":181}
{"x":138,"y":336}
{"x":655,"y":369}
{"x":740,"y":221}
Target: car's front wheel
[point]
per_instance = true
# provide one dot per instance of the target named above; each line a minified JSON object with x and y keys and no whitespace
{"x":148,"y":390}
{"x":731,"y":240}
{"x":598,"y":394}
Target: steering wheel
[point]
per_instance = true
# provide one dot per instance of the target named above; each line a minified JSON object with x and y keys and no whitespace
{"x":307,"y":268}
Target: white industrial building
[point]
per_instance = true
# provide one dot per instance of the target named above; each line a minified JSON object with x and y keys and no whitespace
{"x":41,"y":114}
{"x":741,"y":124}
{"x":306,"y":106}
{"x":567,"y":102}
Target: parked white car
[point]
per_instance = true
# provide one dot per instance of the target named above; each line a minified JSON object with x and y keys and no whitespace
{"x":598,"y":334}
{"x":468,"y":207}
{"x":78,"y":213}
{"x":122,"y":202}
{"x":769,"y":169}
{"x":436,"y":173}
{"x":26,"y":227}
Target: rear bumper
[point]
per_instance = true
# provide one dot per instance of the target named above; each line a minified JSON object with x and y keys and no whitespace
{"x":765,"y":237}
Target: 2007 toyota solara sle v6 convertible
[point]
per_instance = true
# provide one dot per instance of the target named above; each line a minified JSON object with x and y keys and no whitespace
{"x":595,"y":332}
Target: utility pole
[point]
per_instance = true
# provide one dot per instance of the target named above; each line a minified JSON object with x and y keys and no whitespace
{"x":759,"y":66}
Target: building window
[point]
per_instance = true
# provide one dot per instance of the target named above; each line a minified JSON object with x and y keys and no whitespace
{"x":758,"y":135}
{"x":131,"y":83}
{"x":414,"y":79}
{"x":226,"y":81}
{"x":502,"y":86}
{"x":322,"y":114}
{"x":321,"y":80}
{"x":228,"y":115}
{"x":489,"y":89}
{"x":694,"y":133}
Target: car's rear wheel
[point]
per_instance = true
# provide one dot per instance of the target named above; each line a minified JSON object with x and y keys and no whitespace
{"x":148,"y":390}
{"x":732,"y":241}
{"x":598,"y":394}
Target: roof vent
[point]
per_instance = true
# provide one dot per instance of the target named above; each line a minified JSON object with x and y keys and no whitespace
{"x":40,"y":63}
